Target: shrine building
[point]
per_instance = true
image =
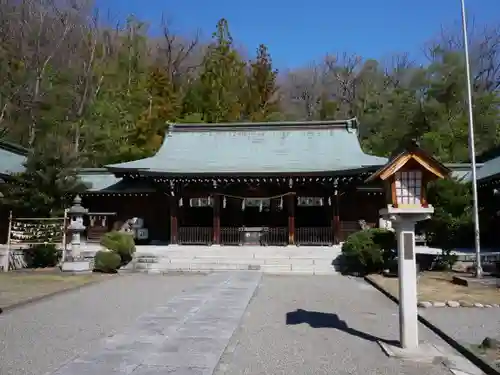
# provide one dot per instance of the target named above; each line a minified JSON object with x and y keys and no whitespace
{"x":283,"y":183}
{"x":231,"y":184}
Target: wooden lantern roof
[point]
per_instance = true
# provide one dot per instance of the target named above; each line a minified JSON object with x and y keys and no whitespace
{"x":411,"y":153}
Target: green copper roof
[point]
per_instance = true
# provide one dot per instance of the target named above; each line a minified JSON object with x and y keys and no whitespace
{"x":101,"y":180}
{"x":97,"y":179}
{"x":12,"y":158}
{"x":462,"y":171}
{"x":286,"y":147}
{"x":490,"y":169}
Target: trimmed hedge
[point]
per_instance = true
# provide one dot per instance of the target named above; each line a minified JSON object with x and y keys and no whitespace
{"x":121,"y":243}
{"x":106,"y":262}
{"x":368,"y":251}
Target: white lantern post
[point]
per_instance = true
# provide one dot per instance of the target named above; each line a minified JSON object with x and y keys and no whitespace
{"x":405,"y":177}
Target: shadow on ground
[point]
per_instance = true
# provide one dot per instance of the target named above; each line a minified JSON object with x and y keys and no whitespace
{"x":317,"y":319}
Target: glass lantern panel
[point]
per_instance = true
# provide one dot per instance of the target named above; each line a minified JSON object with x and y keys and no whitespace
{"x":408,"y":187}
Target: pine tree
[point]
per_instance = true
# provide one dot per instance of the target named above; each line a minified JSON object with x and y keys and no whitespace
{"x":47,"y":185}
{"x":163,"y":107}
{"x":262,"y":92}
{"x":222,"y":79}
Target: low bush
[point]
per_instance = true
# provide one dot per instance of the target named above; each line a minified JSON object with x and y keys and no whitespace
{"x":107,"y":262}
{"x":42,"y":256}
{"x":368,"y":251}
{"x":121,"y":243}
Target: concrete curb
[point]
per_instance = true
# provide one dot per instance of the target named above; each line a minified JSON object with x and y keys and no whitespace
{"x":9,"y":308}
{"x":463,"y":350}
{"x":455,"y":304}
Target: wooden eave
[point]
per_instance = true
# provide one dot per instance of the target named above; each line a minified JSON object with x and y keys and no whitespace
{"x":426,"y":161}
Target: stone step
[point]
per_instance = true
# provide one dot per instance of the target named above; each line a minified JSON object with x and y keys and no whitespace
{"x":223,"y":260}
{"x":190,"y":266}
{"x":238,"y":255}
{"x":204,"y":267}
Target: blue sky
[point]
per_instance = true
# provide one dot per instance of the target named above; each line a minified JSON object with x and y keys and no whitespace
{"x":298,"y":32}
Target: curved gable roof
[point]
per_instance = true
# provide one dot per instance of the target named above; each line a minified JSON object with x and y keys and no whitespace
{"x":285,"y":147}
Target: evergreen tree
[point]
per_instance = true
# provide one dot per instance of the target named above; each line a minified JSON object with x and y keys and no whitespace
{"x":222,"y":79}
{"x":47,"y":185}
{"x":262,"y":99}
{"x":163,"y":107}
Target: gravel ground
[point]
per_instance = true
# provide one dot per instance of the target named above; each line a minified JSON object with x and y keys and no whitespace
{"x":37,"y":338}
{"x":466,"y":325}
{"x":342,"y":318}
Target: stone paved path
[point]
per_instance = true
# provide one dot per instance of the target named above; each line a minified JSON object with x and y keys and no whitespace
{"x":320,"y":325}
{"x":186,"y":335}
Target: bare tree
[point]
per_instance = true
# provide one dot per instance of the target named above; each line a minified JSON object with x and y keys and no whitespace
{"x":484,"y":46}
{"x":179,"y":57}
{"x":301,"y":91}
{"x":343,"y":80}
{"x":87,"y":83}
{"x":40,"y":28}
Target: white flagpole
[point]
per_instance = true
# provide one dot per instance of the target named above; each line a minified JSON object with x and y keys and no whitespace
{"x":472,"y":150}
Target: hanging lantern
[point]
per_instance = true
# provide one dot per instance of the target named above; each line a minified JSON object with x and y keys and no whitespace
{"x":224,"y":202}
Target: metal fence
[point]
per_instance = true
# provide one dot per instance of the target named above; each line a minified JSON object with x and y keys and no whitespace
{"x":231,"y":236}
{"x":194,"y":236}
{"x":319,"y":236}
{"x":264,"y":236}
{"x":275,"y":236}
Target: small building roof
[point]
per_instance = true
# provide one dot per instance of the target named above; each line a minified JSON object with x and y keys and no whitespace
{"x":253,"y":148}
{"x":12,"y":158}
{"x":102,"y":180}
{"x":489,"y":170}
{"x":97,"y":179}
{"x":462,"y":171}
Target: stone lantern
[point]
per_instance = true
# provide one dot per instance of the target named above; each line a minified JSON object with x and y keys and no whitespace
{"x":405,"y":178}
{"x":75,"y":229}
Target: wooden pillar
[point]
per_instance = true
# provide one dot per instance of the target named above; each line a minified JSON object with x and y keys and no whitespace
{"x":336,"y":218}
{"x":216,"y":220}
{"x":291,"y":218}
{"x":174,"y":212}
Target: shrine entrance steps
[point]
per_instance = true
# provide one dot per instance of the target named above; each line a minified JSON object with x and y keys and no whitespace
{"x":315,"y":260}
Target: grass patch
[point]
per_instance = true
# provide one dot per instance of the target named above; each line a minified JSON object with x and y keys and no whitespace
{"x":437,"y":286}
{"x":19,"y":287}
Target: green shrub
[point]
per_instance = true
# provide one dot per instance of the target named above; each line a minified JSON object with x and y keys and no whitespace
{"x":107,"y":261}
{"x":42,"y":256}
{"x":121,"y":243}
{"x":368,"y":251}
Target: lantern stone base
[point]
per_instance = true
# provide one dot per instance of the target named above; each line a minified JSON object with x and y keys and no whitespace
{"x":78,"y":267}
{"x":430,"y":353}
{"x":425,"y":352}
